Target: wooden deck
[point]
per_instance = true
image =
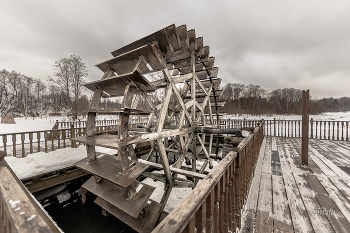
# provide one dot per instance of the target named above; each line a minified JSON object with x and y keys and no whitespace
{"x":287,"y":197}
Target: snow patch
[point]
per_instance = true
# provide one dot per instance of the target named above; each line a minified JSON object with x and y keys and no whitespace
{"x":31,"y":217}
{"x":14,"y":203}
{"x":39,"y":163}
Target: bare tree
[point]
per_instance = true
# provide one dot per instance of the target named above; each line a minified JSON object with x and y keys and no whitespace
{"x":253,"y":95}
{"x":69,"y":73}
{"x":39,"y":88}
{"x":6,"y":96}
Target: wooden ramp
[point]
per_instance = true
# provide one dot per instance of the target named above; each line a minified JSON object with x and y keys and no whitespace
{"x":287,"y":197}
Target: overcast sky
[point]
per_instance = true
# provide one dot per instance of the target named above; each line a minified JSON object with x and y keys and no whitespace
{"x":275,"y":44}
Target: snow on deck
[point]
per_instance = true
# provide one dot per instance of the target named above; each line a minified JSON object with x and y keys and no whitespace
{"x":41,"y":162}
{"x":288,"y":197}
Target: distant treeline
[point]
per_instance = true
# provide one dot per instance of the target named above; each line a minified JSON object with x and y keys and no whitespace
{"x":23,"y":95}
{"x":253,"y":99}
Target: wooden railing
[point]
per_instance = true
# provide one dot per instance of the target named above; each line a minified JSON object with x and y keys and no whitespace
{"x":82,"y":124}
{"x":216,"y":202}
{"x":25,"y":143}
{"x":330,"y":130}
{"x":19,"y":211}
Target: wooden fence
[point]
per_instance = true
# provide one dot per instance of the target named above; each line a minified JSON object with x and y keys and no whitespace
{"x":24,"y":143}
{"x":19,"y":212}
{"x":330,"y":130}
{"x":216,"y":202}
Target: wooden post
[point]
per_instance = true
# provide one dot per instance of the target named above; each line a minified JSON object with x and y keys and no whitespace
{"x":72,"y":134}
{"x":38,"y":137}
{"x":22,"y":139}
{"x":305,"y":128}
{"x":4,"y":140}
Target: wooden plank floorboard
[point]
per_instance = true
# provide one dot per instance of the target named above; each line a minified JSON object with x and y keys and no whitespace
{"x":294,"y":198}
{"x":293,"y":153}
{"x":330,"y":154}
{"x":338,"y":221}
{"x":324,"y":168}
{"x":338,"y":198}
{"x":320,"y":223}
{"x":300,"y":219}
{"x":342,"y":186}
{"x":314,"y":167}
{"x":266,"y":166}
{"x":263,"y":221}
{"x":329,"y":163}
{"x":280,"y":210}
{"x":248,"y":219}
{"x":340,"y":146}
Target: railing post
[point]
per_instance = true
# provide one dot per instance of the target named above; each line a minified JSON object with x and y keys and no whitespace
{"x":64,"y":137}
{"x":209,"y":210}
{"x":216,"y":208}
{"x":22,"y":139}
{"x":72,"y":134}
{"x":338,"y":130}
{"x":4,"y":141}
{"x":38,"y":137}
{"x":305,"y":131}
{"x":200,"y":217}
{"x":45,"y":140}
{"x":311,"y":127}
{"x":31,"y":143}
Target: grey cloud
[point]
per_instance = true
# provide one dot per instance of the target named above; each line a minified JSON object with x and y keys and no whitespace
{"x":275,"y":44}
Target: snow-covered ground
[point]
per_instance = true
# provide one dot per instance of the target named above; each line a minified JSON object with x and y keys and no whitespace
{"x":327,"y":116}
{"x":27,"y":125}
{"x":38,"y":124}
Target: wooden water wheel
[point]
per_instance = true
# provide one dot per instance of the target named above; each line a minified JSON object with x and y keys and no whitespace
{"x":186,"y":74}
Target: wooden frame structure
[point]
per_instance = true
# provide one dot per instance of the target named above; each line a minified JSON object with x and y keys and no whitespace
{"x":187,"y":74}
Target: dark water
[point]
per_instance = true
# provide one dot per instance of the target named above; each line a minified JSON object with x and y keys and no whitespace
{"x":71,"y":216}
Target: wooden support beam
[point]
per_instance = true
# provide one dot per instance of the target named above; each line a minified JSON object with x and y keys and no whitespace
{"x":305,"y":128}
{"x":164,"y":108}
{"x":205,"y":151}
{"x":175,"y":170}
{"x":177,"y":94}
{"x":164,"y":160}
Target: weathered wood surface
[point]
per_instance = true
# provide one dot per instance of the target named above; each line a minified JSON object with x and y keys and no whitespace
{"x":112,"y":141}
{"x":115,"y":86}
{"x":110,"y":168}
{"x":304,"y":199}
{"x":146,"y":224}
{"x":125,"y":63}
{"x":47,"y":180}
{"x":175,"y":170}
{"x":117,"y":196}
{"x":19,"y":210}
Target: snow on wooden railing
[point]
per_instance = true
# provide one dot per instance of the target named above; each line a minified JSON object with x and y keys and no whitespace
{"x":19,"y":211}
{"x":330,"y":130}
{"x":216,"y":202}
